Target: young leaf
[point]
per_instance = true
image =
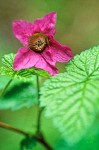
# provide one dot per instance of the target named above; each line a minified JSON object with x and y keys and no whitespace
{"x":72,"y":98}
{"x":18,"y":95}
{"x":39,"y":72}
{"x":28,"y":143}
{"x":24,"y":74}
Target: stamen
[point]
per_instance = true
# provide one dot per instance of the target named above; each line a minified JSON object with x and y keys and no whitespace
{"x":38,"y":42}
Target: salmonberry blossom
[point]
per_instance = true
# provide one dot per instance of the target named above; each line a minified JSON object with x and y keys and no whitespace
{"x":40,"y":49}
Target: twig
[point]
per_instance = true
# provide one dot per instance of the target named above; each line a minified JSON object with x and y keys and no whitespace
{"x":9,"y":127}
{"x":44,"y":143}
{"x":39,"y":139}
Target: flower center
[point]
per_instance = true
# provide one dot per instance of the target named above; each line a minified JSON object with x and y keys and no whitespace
{"x":38,"y":42}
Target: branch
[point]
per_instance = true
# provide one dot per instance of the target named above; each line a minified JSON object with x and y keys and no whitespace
{"x":39,"y":139}
{"x":6,"y":126}
{"x":43,"y":142}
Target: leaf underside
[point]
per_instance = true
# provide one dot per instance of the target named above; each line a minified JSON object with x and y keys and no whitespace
{"x":72,"y":98}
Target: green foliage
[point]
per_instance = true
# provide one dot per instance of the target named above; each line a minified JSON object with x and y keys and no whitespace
{"x":28,"y":143}
{"x":7,"y":69}
{"x":19,"y":94}
{"x":39,"y":72}
{"x":89,"y":142}
{"x":72,"y":98}
{"x":24,"y":74}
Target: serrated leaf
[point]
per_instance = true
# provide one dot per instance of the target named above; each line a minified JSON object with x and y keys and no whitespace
{"x":23,"y":74}
{"x":72,"y":98}
{"x":39,"y":72}
{"x":7,"y":69}
{"x":18,"y":95}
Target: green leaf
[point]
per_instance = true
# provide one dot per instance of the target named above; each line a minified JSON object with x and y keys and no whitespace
{"x":39,"y":72}
{"x":18,"y":95}
{"x":24,"y":74}
{"x":72,"y":98}
{"x":7,"y":69}
{"x":28,"y":143}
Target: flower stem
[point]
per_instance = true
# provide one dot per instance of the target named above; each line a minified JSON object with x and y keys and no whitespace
{"x":39,"y":109}
{"x":4,"y":90}
{"x":38,"y":89}
{"x":39,"y":139}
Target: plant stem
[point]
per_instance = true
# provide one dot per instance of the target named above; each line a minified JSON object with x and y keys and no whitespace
{"x":39,"y":120}
{"x":39,"y":139}
{"x":39,"y":109}
{"x":4,"y":90}
{"x":6,"y":126}
{"x":44,"y":143}
{"x":38,"y":89}
{"x":39,"y":135}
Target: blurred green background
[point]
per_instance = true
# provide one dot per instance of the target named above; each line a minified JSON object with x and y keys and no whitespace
{"x":77,"y":26}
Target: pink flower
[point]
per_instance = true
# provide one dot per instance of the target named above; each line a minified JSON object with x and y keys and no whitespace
{"x":40,"y":49}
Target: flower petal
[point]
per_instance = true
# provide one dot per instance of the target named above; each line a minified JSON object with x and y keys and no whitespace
{"x":46,"y":24}
{"x":57,"y":52}
{"x":25,"y":58}
{"x":43,"y":64}
{"x":22,"y":30}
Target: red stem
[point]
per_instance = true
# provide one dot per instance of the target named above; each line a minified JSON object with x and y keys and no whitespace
{"x":39,"y":139}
